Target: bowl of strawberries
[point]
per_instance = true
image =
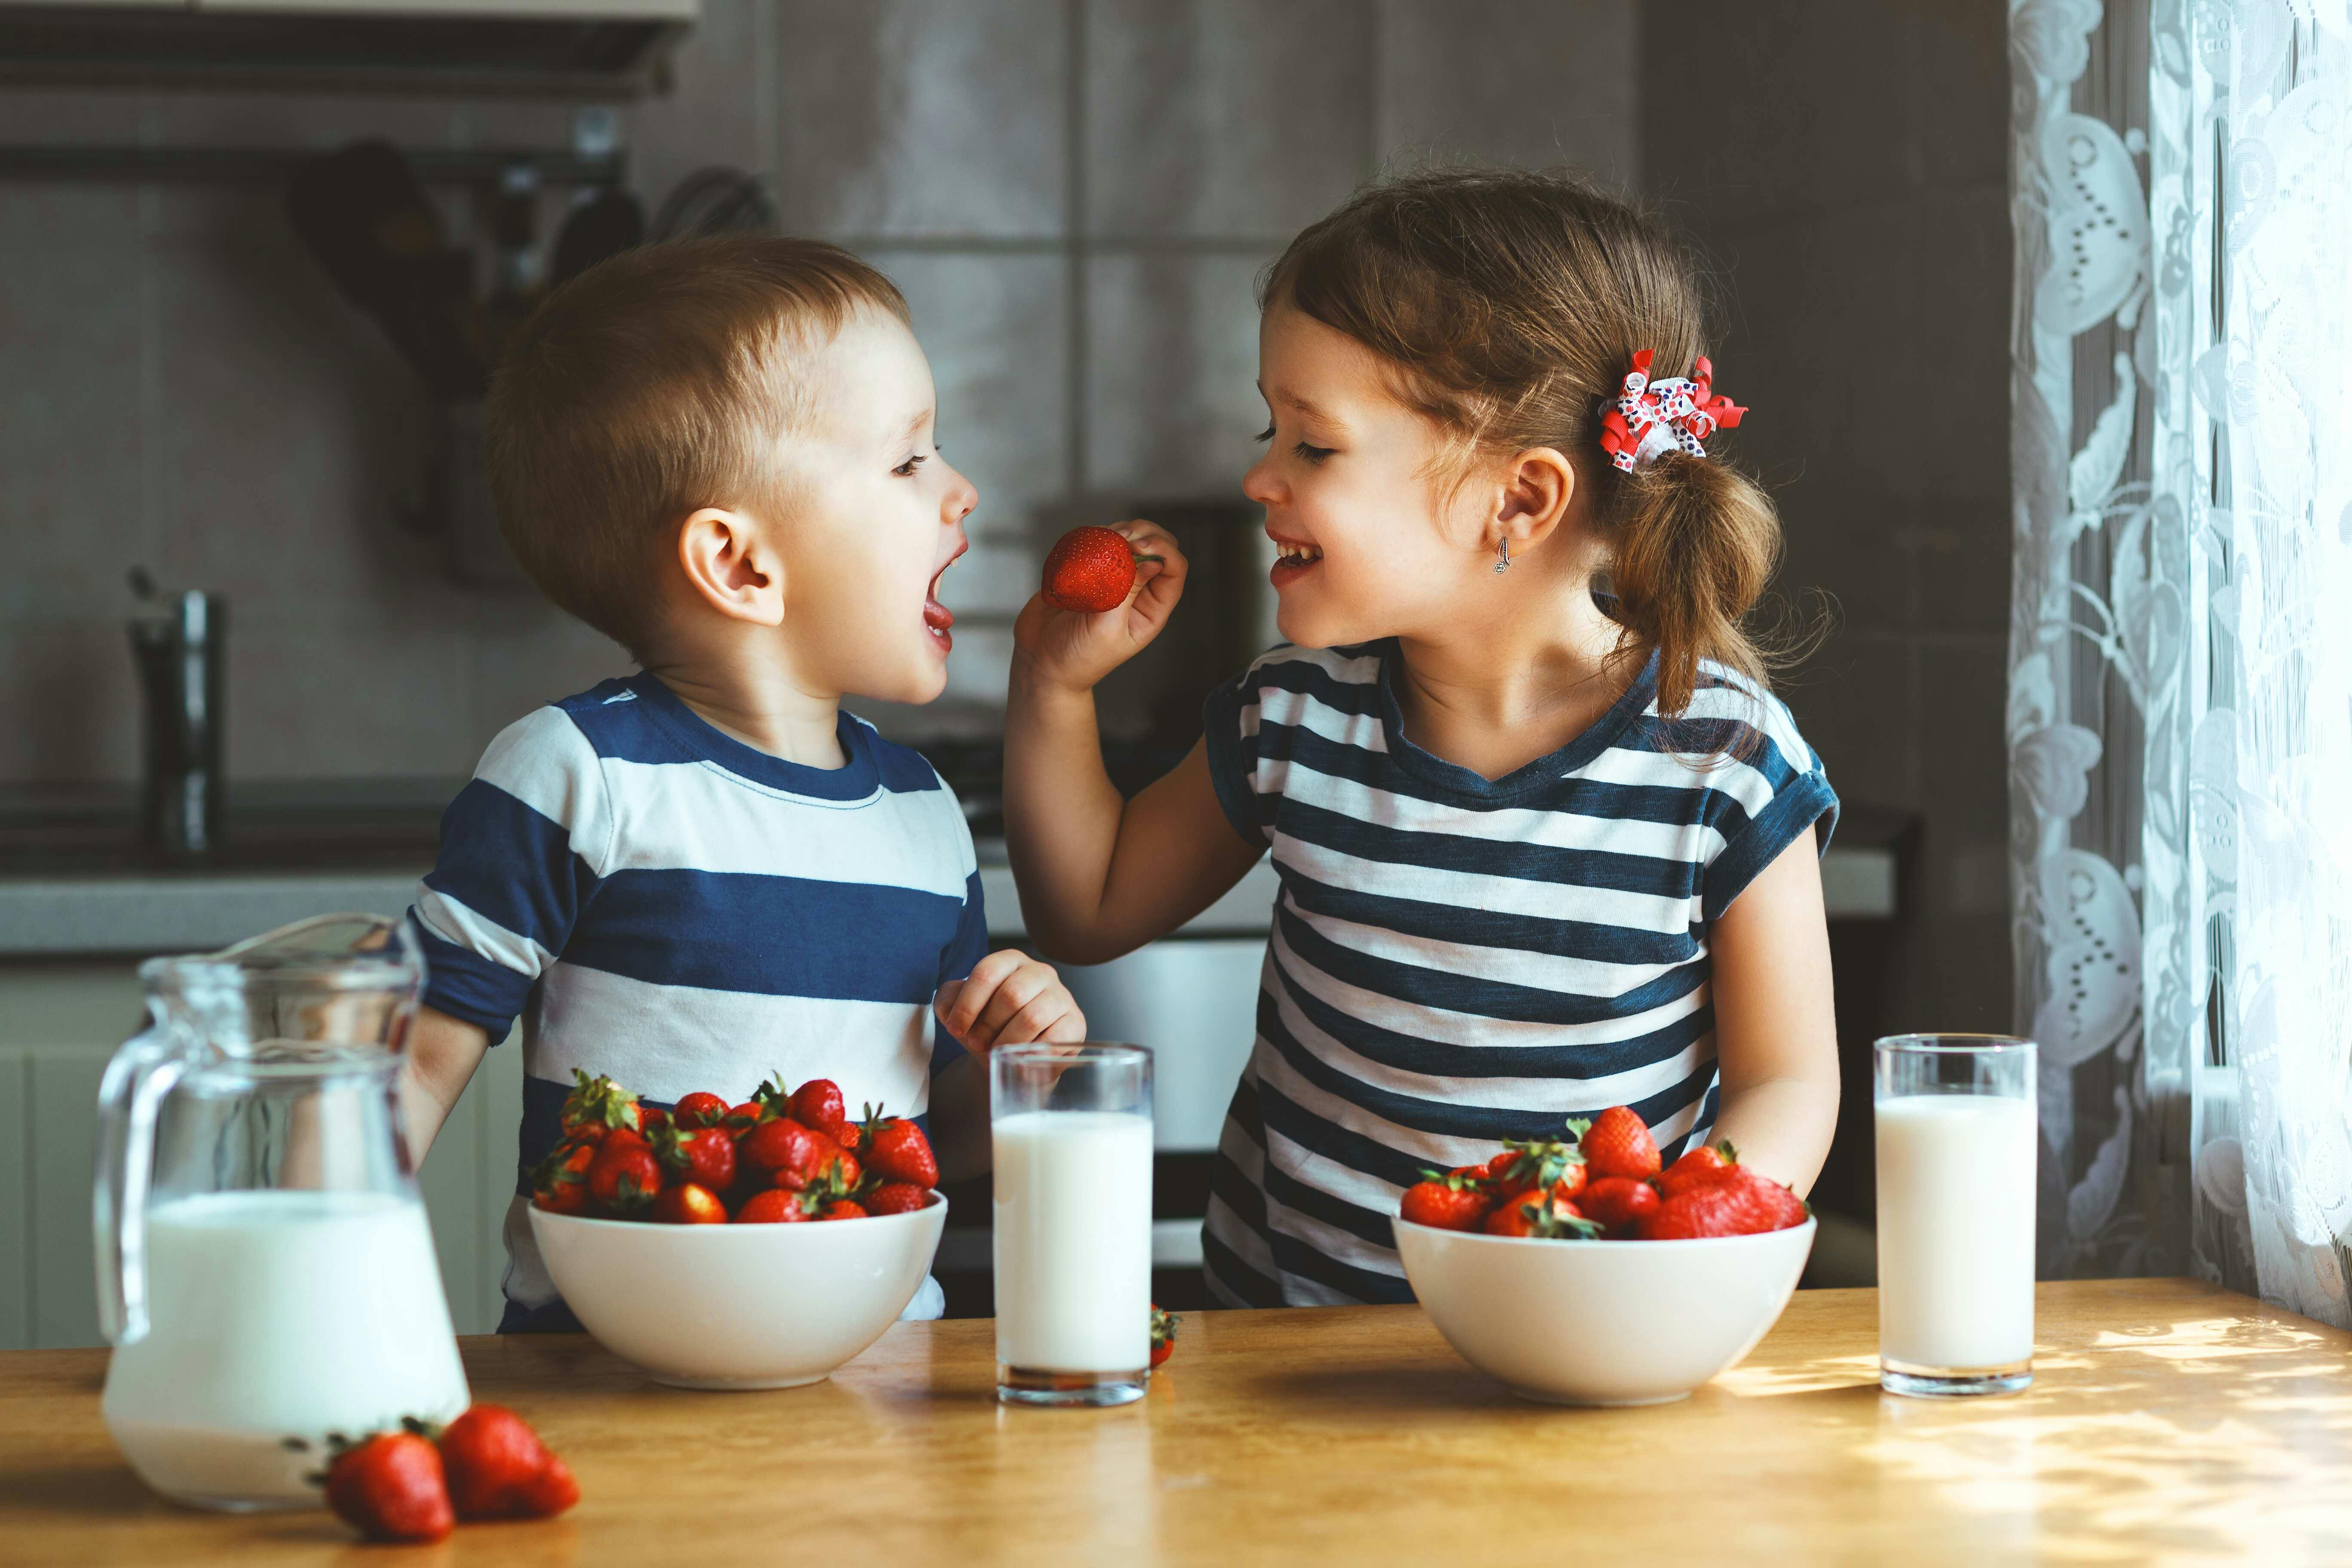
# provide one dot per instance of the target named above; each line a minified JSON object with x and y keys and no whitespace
{"x":758,"y":1244}
{"x":1579,"y":1271}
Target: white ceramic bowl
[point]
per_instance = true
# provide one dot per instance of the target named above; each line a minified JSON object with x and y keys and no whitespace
{"x":1603,"y":1322}
{"x":739,"y":1306}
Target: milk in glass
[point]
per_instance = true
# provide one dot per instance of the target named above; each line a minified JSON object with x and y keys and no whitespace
{"x":1074,"y":1241}
{"x":1956,"y":1201}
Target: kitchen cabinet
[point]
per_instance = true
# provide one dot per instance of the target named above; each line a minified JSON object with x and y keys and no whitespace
{"x":2169,"y":1420}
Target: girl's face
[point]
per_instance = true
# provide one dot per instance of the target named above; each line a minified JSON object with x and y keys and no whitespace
{"x":1372,"y":545}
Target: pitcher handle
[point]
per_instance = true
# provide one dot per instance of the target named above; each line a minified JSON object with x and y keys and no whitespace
{"x":128,"y":1099}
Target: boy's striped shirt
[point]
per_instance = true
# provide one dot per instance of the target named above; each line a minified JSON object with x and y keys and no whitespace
{"x":1457,"y":961}
{"x":661,"y":902}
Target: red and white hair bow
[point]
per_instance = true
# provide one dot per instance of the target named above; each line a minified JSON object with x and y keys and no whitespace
{"x":1654,"y":418}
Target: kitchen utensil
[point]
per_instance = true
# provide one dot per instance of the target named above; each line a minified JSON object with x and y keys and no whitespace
{"x":178,"y":650}
{"x":1601,"y":1322}
{"x":1071,"y":1127}
{"x":265,"y":1270}
{"x":369,"y":223}
{"x":739,"y":1306}
{"x":1957,"y":1145}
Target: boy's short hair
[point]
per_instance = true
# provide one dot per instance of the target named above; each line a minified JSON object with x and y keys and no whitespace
{"x":651,"y":386}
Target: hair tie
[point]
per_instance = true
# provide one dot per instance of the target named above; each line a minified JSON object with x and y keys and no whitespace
{"x":1650,"y":418}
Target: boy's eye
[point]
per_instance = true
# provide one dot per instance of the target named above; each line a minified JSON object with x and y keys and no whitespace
{"x":1266,"y":434}
{"x":906,"y":470}
{"x":1312,"y":454}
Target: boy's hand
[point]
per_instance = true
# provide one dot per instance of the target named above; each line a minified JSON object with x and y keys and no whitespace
{"x":1009,"y":999}
{"x":1071,"y":649}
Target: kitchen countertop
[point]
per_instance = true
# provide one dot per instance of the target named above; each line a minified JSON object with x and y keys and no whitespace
{"x":2169,"y":1418}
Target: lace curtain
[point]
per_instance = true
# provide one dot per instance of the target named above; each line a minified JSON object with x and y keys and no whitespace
{"x":2180,"y":668}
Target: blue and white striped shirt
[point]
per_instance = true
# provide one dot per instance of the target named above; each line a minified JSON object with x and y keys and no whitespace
{"x":1456,"y":961}
{"x":658,"y":901}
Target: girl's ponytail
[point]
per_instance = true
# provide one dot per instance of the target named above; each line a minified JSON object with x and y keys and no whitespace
{"x":1695,"y":543}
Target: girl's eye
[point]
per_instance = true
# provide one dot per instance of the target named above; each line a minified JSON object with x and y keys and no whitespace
{"x":1312,"y":454}
{"x":1266,"y":434}
{"x":906,"y":470}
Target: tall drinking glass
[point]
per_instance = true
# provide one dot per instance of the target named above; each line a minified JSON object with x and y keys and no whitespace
{"x":1957,"y":1146}
{"x":1072,"y":1130}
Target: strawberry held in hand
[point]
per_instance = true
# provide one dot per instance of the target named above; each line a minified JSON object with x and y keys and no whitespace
{"x":1091,"y":570}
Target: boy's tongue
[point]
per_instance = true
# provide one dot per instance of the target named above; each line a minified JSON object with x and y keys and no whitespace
{"x":935,"y":615}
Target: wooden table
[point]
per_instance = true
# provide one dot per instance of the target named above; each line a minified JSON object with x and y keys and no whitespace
{"x":2169,"y":1420}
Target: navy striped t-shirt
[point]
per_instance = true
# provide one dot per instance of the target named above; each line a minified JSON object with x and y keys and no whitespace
{"x":1456,"y":961}
{"x":658,"y":901}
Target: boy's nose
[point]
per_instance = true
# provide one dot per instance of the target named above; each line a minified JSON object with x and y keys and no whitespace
{"x":961,"y":497}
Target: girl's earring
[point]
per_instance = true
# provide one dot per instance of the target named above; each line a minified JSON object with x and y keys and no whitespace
{"x":1503,"y":553}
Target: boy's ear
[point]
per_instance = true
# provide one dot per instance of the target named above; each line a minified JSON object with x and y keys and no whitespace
{"x":1537,"y":490}
{"x":731,"y":567}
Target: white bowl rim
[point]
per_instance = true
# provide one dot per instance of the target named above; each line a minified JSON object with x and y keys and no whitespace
{"x":1664,"y":1244}
{"x":600,"y":1222}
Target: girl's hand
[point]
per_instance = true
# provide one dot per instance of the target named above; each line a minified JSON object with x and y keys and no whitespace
{"x":1011,"y":999}
{"x":1074,"y":650}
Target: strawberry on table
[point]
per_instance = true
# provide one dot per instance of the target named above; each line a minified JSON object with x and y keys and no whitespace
{"x":896,"y":1150}
{"x":392,"y":1487}
{"x":1451,"y":1202}
{"x":1618,"y":1143}
{"x":1090,"y":570}
{"x":1164,"y":1334}
{"x":498,"y":1467}
{"x":1620,"y":1202}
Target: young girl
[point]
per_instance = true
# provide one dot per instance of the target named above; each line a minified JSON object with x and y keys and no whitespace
{"x":1541,"y":850}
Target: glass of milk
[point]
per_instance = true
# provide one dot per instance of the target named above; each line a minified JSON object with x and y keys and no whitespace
{"x":1957,"y":1147}
{"x":1072,"y":1131}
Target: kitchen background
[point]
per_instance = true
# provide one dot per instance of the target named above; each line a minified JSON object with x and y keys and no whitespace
{"x":1077,"y":197}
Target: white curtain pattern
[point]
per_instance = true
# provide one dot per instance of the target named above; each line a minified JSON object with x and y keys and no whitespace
{"x":2180,"y":710}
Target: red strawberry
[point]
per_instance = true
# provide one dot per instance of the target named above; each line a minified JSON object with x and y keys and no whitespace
{"x":598,"y":1101}
{"x":690,"y":1202}
{"x":1451,"y":1202}
{"x":699,"y":1109}
{"x":1540,"y":1214}
{"x":897,"y":1197}
{"x":1090,"y":570}
{"x":1698,"y":1168}
{"x":652,"y":1121}
{"x":1747,"y":1204}
{"x":844,"y":1209}
{"x":552,"y":1492}
{"x":706,"y":1157}
{"x":624,"y":1177}
{"x":783,"y":1144}
{"x":850,"y":1136}
{"x":560,"y":1183}
{"x":497,"y":1467}
{"x":774,"y":1206}
{"x":742,"y":1119}
{"x":1164,"y":1334}
{"x":1618,"y":1143}
{"x":392,"y":1487}
{"x":896,"y":1150}
{"x":817,"y":1103}
{"x":1524,"y":1166}
{"x":1619,"y":1202}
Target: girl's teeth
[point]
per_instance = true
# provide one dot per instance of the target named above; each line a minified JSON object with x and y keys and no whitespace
{"x":1298,"y":554}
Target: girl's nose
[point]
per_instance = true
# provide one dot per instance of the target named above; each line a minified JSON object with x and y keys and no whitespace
{"x":961,"y":497}
{"x":1259,"y":484}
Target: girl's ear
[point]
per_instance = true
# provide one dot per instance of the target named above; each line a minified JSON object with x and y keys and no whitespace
{"x":730,"y":567}
{"x":1537,"y":490}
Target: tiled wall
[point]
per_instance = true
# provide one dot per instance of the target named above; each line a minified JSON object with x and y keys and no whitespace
{"x":1843,"y":164}
{"x":1076,"y":195}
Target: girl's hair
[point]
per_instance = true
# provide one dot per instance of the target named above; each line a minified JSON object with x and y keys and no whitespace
{"x":1512,"y":305}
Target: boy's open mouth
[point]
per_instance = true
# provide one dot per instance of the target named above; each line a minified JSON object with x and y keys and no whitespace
{"x":938,"y":618}
{"x":1294,"y":558}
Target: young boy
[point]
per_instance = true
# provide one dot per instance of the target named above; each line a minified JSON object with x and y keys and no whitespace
{"x":720,"y":454}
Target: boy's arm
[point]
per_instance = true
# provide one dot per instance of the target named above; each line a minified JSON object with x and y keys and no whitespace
{"x":442,"y":1055}
{"x":1775,"y":1023}
{"x":1100,"y":876}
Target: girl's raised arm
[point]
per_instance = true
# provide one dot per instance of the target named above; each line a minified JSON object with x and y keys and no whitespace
{"x":1100,"y":876}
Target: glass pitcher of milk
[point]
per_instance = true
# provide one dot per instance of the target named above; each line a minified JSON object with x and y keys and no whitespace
{"x":265,"y":1271}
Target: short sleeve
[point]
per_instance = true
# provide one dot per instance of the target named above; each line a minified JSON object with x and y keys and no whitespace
{"x":1775,"y":791}
{"x":519,"y":848}
{"x":968,"y":946}
{"x":1229,"y":725}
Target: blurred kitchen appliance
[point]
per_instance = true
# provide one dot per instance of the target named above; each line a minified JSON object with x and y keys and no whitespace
{"x":604,"y":48}
{"x":178,"y":649}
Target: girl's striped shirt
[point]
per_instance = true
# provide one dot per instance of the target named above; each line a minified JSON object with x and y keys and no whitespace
{"x":1455,"y":960}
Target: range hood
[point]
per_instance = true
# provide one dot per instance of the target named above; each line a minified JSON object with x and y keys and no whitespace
{"x":600,"y":48}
